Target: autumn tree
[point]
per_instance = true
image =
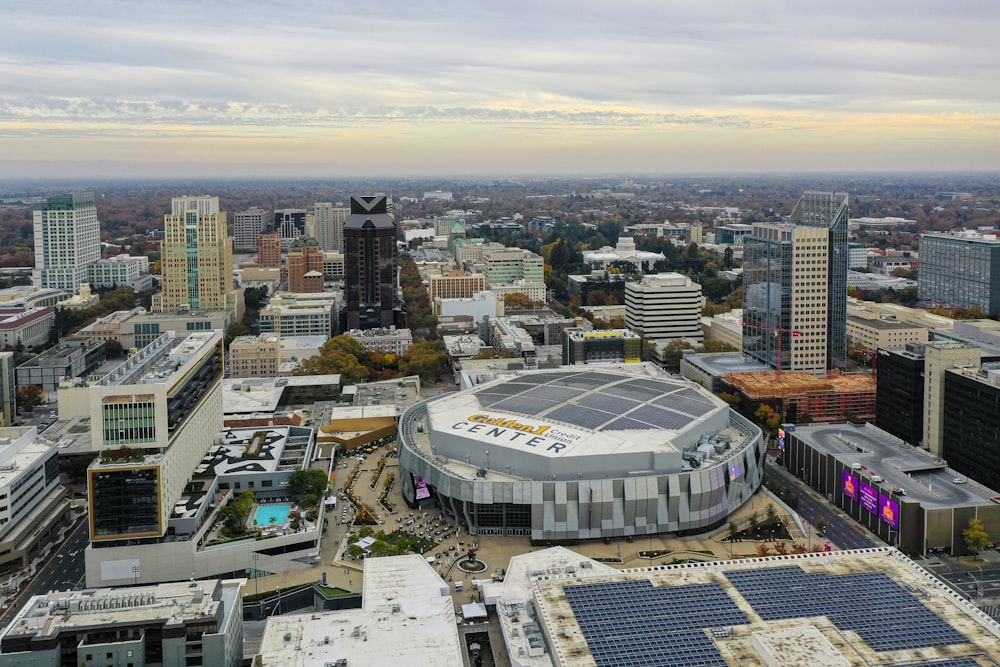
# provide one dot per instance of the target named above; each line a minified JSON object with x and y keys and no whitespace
{"x":425,"y":358}
{"x":339,"y":355}
{"x":29,"y":397}
{"x":768,"y":419}
{"x":976,"y":538}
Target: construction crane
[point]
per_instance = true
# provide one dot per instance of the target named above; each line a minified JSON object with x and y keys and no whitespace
{"x":777,"y":331}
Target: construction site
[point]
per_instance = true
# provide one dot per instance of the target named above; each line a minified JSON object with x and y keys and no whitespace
{"x":801,"y":397}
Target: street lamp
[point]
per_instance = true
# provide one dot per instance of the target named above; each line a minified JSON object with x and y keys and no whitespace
{"x":255,"y":557}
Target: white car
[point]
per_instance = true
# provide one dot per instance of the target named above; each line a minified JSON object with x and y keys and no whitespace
{"x":959,"y":480}
{"x":877,"y":478}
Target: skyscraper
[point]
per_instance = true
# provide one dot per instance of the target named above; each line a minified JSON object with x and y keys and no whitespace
{"x":197,"y":259}
{"x":795,"y":287}
{"x":830,"y":211}
{"x":269,"y":249}
{"x":369,"y":264}
{"x":785,"y":296}
{"x":247,"y":227}
{"x":961,"y":270}
{"x":67,"y":240}
{"x":328,"y":221}
{"x":290,"y":224}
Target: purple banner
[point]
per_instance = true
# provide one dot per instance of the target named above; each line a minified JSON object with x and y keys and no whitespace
{"x":888,"y":511}
{"x":849,"y":484}
{"x":421,"y":486}
{"x":869,"y":497}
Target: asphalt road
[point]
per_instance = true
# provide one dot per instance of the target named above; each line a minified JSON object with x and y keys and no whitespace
{"x":64,"y":570}
{"x":841,"y":531}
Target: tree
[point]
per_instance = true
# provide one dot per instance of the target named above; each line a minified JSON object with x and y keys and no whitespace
{"x":425,"y":358}
{"x":734,"y":530}
{"x":302,"y":483}
{"x":821,"y":526}
{"x":768,"y":419}
{"x":341,"y":355}
{"x":976,"y":538}
{"x":716,"y":346}
{"x":672,"y":353}
{"x":30,"y":397}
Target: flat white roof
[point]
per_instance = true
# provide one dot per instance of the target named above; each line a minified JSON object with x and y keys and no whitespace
{"x":408,"y":618}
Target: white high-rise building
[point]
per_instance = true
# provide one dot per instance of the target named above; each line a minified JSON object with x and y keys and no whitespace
{"x":247,"y":226}
{"x":67,"y":240}
{"x":328,"y":226}
{"x":664,"y":306}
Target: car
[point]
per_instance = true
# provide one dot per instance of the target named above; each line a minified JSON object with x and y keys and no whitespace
{"x":878,"y":478}
{"x":959,"y":480}
{"x":899,"y":491}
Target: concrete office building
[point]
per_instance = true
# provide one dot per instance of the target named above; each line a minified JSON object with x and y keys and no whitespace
{"x":25,"y":328}
{"x":899,"y":393}
{"x":504,"y":267}
{"x":34,"y":504}
{"x":197,"y":259}
{"x":875,"y":334}
{"x":333,"y":266}
{"x":787,"y":298}
{"x":582,"y":347}
{"x":369,"y":264}
{"x":288,"y":314}
{"x":67,"y":240}
{"x":120,"y":271}
{"x":455,"y":285}
{"x":69,"y":358}
{"x":664,"y":306}
{"x":390,"y":340}
{"x":555,"y":454}
{"x":938,"y":358}
{"x":961,"y":270}
{"x":8,"y":389}
{"x":328,"y":226}
{"x":304,"y":265}
{"x":247,"y":228}
{"x":173,"y":625}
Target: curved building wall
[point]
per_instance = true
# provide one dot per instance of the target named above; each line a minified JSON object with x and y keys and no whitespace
{"x":570,"y":509}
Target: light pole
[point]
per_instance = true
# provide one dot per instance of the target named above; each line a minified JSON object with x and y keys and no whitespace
{"x":980,"y":581}
{"x":135,"y":574}
{"x":255,"y":557}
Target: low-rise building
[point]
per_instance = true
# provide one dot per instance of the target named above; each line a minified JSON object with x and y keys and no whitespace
{"x":725,"y":327}
{"x":455,"y":285}
{"x":390,"y":340}
{"x":81,"y":300}
{"x":800,"y":396}
{"x":255,"y":356}
{"x":873,"y":334}
{"x":288,"y":314}
{"x":508,"y":338}
{"x":121,"y":271}
{"x":69,"y":358}
{"x":582,"y":347}
{"x":25,"y":328}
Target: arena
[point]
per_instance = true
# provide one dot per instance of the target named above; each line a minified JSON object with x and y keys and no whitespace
{"x":576,"y":454}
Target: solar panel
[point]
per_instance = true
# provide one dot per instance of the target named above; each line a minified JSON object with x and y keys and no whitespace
{"x":692,"y":406}
{"x":660,"y":418}
{"x":879,"y":610}
{"x":486,"y":400}
{"x":652,"y":626}
{"x":626,"y":424}
{"x":629,"y":390}
{"x":588,"y":380}
{"x":957,"y":662}
{"x":552,"y":392}
{"x":583,"y":417}
{"x":607,"y":403}
{"x":524,"y":406}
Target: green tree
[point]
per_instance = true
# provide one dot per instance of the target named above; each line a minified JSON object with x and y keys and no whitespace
{"x":341,"y":355}
{"x":716,"y":346}
{"x":425,"y":358}
{"x":310,"y":482}
{"x":768,"y":419}
{"x":976,"y":538}
{"x":672,"y":353}
{"x":734,"y":530}
{"x":30,"y":397}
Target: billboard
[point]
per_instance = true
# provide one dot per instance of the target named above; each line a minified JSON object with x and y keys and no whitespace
{"x":420,"y":484}
{"x":888,"y":511}
{"x":849,"y":484}
{"x":869,"y":497}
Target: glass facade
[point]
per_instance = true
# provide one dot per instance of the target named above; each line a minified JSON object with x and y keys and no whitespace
{"x":128,"y":422}
{"x":129,"y":502}
{"x":960,"y":272}
{"x":767,"y":298}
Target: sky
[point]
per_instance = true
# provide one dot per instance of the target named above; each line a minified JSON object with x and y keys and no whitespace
{"x":301,"y":88}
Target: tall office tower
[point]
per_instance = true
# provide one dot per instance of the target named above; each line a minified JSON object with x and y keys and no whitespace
{"x":269,"y":249}
{"x":305,"y":266}
{"x":899,"y":392}
{"x":67,"y":240}
{"x":197,"y":258}
{"x":369,"y":264}
{"x":961,"y":270}
{"x":829,"y":211}
{"x":786,"y":302}
{"x":8,"y":389}
{"x":290,"y":224}
{"x":664,"y":306}
{"x":328,"y":222}
{"x":247,"y":226}
{"x":942,"y":356}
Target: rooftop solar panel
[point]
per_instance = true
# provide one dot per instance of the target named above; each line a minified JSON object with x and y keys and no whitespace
{"x":659,"y":417}
{"x":681,"y":403}
{"x":629,"y":389}
{"x":614,"y":404}
{"x":583,"y":417}
{"x":524,"y":406}
{"x":884,"y":615}
{"x":552,"y":392}
{"x":587,"y":380}
{"x":486,"y":400}
{"x":626,"y":424}
{"x":652,"y":626}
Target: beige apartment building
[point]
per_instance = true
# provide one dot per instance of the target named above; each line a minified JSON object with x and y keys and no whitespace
{"x":879,"y":333}
{"x":455,"y":285}
{"x":255,"y":356}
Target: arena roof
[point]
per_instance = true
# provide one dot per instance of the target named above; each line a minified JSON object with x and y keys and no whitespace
{"x":588,"y":412}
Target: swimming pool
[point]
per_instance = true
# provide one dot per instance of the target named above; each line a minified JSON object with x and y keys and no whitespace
{"x":272,"y":515}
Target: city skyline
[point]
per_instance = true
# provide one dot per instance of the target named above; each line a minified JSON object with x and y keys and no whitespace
{"x":202,"y":90}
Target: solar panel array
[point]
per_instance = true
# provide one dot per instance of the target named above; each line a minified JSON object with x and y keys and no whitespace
{"x":633,"y":623}
{"x":956,"y":662}
{"x":879,"y":610}
{"x":617,"y":404}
